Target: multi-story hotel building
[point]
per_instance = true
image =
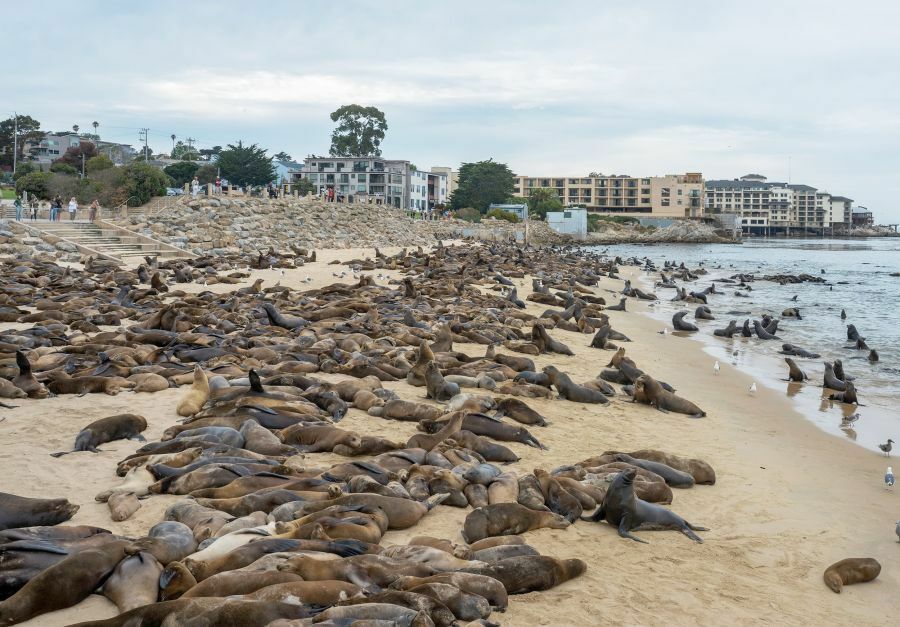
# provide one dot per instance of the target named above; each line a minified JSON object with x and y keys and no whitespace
{"x":673,"y":195}
{"x":770,"y":206}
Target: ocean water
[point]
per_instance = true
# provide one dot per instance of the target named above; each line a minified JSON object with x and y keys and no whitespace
{"x":857,"y":274}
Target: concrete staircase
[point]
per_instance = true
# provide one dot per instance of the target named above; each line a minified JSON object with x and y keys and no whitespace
{"x":101,"y":238}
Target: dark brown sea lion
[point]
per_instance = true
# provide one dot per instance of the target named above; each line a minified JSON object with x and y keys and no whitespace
{"x":26,"y":381}
{"x":205,"y":611}
{"x":557,"y":498}
{"x":847,"y":396}
{"x":21,"y":511}
{"x":63,"y":384}
{"x":570,"y":390}
{"x":700,"y":470}
{"x":429,"y":441}
{"x":489,"y":450}
{"x":507,"y":519}
{"x":650,"y":392}
{"x":361,"y":570}
{"x":436,"y":387}
{"x":397,"y":409}
{"x":520,"y":412}
{"x":118,"y":427}
{"x":487,"y":587}
{"x":235,"y":582}
{"x":545,"y":343}
{"x":402,"y":513}
{"x":625,"y":512}
{"x":679,"y":324}
{"x":64,"y":584}
{"x":479,"y":424}
{"x":794,"y":372}
{"x":851,"y":570}
{"x":531,"y":573}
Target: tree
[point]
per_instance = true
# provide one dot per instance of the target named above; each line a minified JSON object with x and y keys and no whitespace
{"x":246,"y":165}
{"x":144,"y":181}
{"x":73,"y":154}
{"x":144,"y":153}
{"x":25,"y":168}
{"x":481,"y":184}
{"x":95,"y":164}
{"x":304,"y":187}
{"x":282,"y":156}
{"x":96,"y":125}
{"x":182,"y":173}
{"x":208,"y":153}
{"x":185,"y":152}
{"x":207,"y":174}
{"x":58,"y":167}
{"x":359,"y":132}
{"x":29,"y":131}
{"x":35,"y":183}
{"x":502,"y":214}
{"x":75,"y":127}
{"x":543,"y":199}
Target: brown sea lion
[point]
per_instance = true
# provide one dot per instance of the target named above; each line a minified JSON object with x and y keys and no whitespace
{"x":134,"y":582}
{"x":397,"y":409}
{"x":702,"y":472}
{"x":122,"y":506}
{"x":148,"y":382}
{"x":295,"y":590}
{"x":318,"y":438}
{"x":194,"y":399}
{"x":652,"y":393}
{"x":234,"y":582}
{"x":26,"y":381}
{"x":402,"y":513}
{"x":570,"y":390}
{"x":426,"y":605}
{"x":64,"y":584}
{"x":206,"y":611}
{"x":429,"y":441}
{"x":794,"y":372}
{"x":436,"y":387}
{"x":8,"y":390}
{"x":851,"y":570}
{"x":118,"y":427}
{"x":21,"y":511}
{"x":464,"y":605}
{"x":507,"y":519}
{"x":530,"y":494}
{"x":167,"y":541}
{"x":487,"y":587}
{"x":361,"y":570}
{"x":63,"y":384}
{"x":504,"y":489}
{"x":520,"y":412}
{"x":557,"y":498}
{"x":531,"y":573}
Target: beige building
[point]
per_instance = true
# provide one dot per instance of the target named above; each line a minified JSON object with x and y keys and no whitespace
{"x":673,"y":195}
{"x":452,"y":177}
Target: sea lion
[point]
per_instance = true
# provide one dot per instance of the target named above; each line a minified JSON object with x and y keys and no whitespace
{"x":122,"y":506}
{"x":402,"y":513}
{"x":489,"y":450}
{"x":148,"y":382}
{"x":507,"y":519}
{"x":652,"y":393}
{"x":530,"y":494}
{"x":504,"y":489}
{"x":487,"y":587}
{"x":557,"y":498}
{"x":520,"y":412}
{"x":728,"y":331}
{"x":847,"y":396}
{"x":118,"y":427}
{"x":852,"y":333}
{"x":679,"y":324}
{"x":480,"y":424}
{"x":134,"y":582}
{"x":291,"y":588}
{"x":26,"y":381}
{"x":832,"y":381}
{"x":63,"y":384}
{"x":701,"y":471}
{"x":235,"y":582}
{"x":64,"y":584}
{"x":570,"y":390}
{"x":8,"y":390}
{"x":195,"y":398}
{"x":457,"y":603}
{"x":167,"y":541}
{"x":21,"y":511}
{"x":873,"y":356}
{"x":703,"y":313}
{"x":763,"y":333}
{"x":673,"y":477}
{"x":849,"y":571}
{"x":436,"y":387}
{"x":206,"y":611}
{"x":429,"y":441}
{"x":317,"y":438}
{"x":794,"y":372}
{"x":545,"y":343}
{"x":365,"y":571}
{"x":397,"y":409}
{"x":374,"y":615}
{"x":623,"y":510}
{"x":531,"y":573}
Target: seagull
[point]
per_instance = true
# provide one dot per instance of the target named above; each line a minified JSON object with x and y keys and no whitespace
{"x":889,"y":477}
{"x":665,"y":331}
{"x":716,"y":367}
{"x":753,"y":388}
{"x":307,"y":280}
{"x":886,"y":447}
{"x":897,"y":530}
{"x":282,"y":273}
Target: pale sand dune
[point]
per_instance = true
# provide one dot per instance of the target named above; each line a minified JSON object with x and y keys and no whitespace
{"x":789,"y":500}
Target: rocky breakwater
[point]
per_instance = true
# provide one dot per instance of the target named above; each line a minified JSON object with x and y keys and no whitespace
{"x":223,"y":225}
{"x":684,"y":231}
{"x":22,"y":240}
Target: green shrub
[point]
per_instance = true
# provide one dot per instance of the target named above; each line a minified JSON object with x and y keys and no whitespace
{"x":469,"y":214}
{"x":100,"y":162}
{"x":35,"y":183}
{"x":63,"y":168}
{"x":503,"y":214}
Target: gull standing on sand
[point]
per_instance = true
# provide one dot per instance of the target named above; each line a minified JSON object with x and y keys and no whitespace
{"x":886,"y":447}
{"x":716,"y":367}
{"x":897,"y":530}
{"x":889,"y":477}
{"x":753,"y":388}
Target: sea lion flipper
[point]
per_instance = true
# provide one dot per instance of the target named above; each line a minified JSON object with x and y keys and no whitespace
{"x":60,"y":453}
{"x":625,"y":533}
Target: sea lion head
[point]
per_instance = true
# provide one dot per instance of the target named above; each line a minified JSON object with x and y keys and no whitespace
{"x":628,"y":475}
{"x":175,"y":580}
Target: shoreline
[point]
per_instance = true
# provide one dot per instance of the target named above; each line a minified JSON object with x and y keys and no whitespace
{"x":790,"y":499}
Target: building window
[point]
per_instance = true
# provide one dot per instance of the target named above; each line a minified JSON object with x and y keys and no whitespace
{"x":567,"y":214}
{"x":345,"y":178}
{"x":329,"y":178}
{"x":340,"y":166}
{"x":361,"y":188}
{"x":680,"y":191}
{"x":665,"y":202}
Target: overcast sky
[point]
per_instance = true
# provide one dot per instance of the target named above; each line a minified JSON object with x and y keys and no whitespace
{"x":798,"y":90}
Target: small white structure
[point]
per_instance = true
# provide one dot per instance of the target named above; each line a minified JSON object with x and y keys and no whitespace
{"x":569,"y":222}
{"x":520,"y":211}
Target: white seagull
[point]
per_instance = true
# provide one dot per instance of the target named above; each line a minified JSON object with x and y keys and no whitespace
{"x":889,"y":477}
{"x":753,"y":388}
{"x":716,"y":367}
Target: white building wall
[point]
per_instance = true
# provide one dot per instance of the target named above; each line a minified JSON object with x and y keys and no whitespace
{"x":570,"y":221}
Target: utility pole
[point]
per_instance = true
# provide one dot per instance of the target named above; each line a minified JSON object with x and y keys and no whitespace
{"x":143,"y":135}
{"x":15,"y":140}
{"x":82,"y":165}
{"x":190,"y":142}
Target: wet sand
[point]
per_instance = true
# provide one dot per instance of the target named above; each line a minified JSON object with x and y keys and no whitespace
{"x":789,"y":500}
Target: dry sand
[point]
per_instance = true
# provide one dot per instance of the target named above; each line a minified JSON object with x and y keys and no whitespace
{"x":789,"y":501}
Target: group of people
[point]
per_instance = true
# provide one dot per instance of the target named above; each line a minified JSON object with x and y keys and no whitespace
{"x":56,"y":209}
{"x":195,"y":186}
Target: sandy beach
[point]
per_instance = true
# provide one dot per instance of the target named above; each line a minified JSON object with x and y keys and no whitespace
{"x":789,"y":499}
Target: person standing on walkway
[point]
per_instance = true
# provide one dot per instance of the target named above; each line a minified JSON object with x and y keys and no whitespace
{"x":34,"y":209}
{"x":94,"y":209}
{"x":55,"y":206}
{"x":73,"y":207}
{"x":195,"y":187}
{"x":18,"y":205}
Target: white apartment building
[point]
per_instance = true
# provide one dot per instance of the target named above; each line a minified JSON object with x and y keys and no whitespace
{"x":375,"y":180}
{"x":766,"y":207}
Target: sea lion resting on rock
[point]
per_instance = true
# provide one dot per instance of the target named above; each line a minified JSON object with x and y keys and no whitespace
{"x":625,"y":512}
{"x":850,"y":571}
{"x":648,"y":390}
{"x":118,"y":427}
